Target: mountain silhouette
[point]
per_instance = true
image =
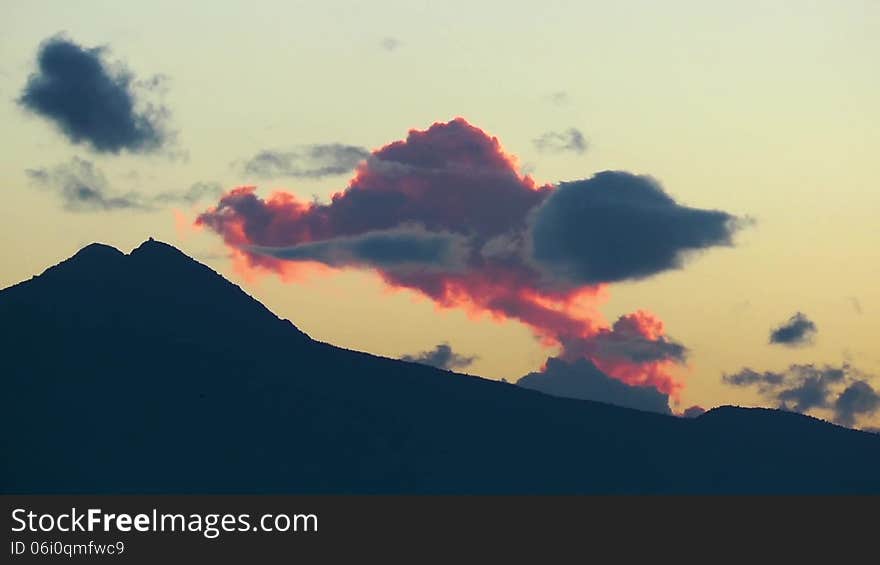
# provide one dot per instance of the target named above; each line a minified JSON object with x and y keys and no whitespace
{"x":149,"y":372}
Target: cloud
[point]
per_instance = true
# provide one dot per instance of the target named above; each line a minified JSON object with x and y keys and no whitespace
{"x":693,"y":412}
{"x":453,"y":187}
{"x":442,"y":357}
{"x":856,"y":399}
{"x":798,"y":330}
{"x":93,"y":101}
{"x":82,"y":187}
{"x":748,"y":377}
{"x":617,"y":226}
{"x":399,"y":249}
{"x":560,"y":98}
{"x":559,"y":142}
{"x":843,"y":390}
{"x":629,"y":339}
{"x":583,"y":380}
{"x":634,"y":349}
{"x":856,"y":305}
{"x":390,"y":44}
{"x":195,"y":193}
{"x":315,"y":161}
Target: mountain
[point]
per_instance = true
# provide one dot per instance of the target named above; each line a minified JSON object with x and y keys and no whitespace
{"x":149,"y":372}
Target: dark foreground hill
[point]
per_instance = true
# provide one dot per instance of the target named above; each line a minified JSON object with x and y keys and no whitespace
{"x":149,"y":372}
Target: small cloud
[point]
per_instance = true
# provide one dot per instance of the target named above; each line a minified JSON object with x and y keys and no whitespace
{"x":748,"y":377}
{"x":212,"y":256}
{"x":693,"y":412}
{"x":572,"y":140}
{"x":93,"y":101}
{"x":391,"y":44}
{"x":442,"y":357}
{"x":314,"y":161}
{"x":856,"y":305}
{"x":560,"y":98}
{"x":195,"y":193}
{"x":798,"y":330}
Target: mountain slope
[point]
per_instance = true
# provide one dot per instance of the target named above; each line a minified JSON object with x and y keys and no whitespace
{"x":149,"y":372}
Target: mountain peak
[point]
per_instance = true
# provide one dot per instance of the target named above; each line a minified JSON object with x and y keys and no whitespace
{"x":158,"y":253}
{"x":98,"y":250}
{"x":92,"y":259}
{"x":153,"y":245}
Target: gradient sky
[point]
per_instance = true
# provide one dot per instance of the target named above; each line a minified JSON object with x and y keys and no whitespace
{"x":767,"y":110}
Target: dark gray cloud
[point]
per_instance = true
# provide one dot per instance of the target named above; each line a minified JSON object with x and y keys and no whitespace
{"x":617,"y":226}
{"x":843,"y":390}
{"x":811,"y":392}
{"x":93,"y":101}
{"x":797,"y":330}
{"x":314,"y":161}
{"x":559,"y":142}
{"x":856,"y":399}
{"x":442,"y":357}
{"x":749,"y":377}
{"x":82,"y":187}
{"x":583,"y":380}
{"x":406,"y":248}
{"x":391,"y":44}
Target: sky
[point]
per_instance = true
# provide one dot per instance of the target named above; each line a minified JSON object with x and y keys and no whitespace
{"x":755,"y":123}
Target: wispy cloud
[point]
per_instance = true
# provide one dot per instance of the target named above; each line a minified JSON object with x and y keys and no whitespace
{"x":571,"y":140}
{"x":314,"y":161}
{"x":83,"y":187}
{"x":391,"y":44}
{"x":559,"y":98}
{"x":856,"y":305}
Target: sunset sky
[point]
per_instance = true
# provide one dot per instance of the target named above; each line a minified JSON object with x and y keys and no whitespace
{"x":761,"y":118}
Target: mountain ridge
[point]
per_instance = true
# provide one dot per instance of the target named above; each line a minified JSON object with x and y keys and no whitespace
{"x":150,"y":372}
